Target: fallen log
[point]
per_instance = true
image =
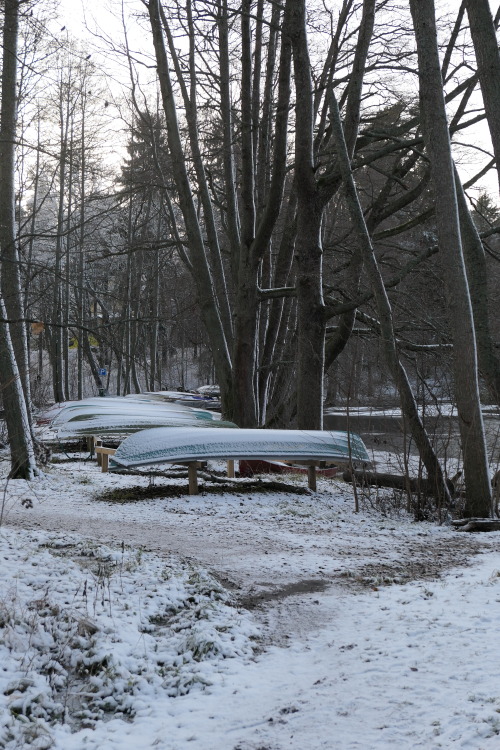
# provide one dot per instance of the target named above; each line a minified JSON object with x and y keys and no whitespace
{"x":396,"y":481}
{"x":477,"y":524}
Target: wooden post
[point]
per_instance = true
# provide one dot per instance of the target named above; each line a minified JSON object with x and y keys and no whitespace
{"x":311,"y":477}
{"x":230,"y":468}
{"x":90,"y":445}
{"x":102,"y":455}
{"x":193,"y":477}
{"x":97,"y":444}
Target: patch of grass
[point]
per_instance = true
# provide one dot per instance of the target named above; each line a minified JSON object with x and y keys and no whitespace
{"x":262,"y":487}
{"x":85,"y":480}
{"x":122,"y":495}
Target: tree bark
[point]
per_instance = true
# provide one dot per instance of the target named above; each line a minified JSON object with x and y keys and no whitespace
{"x":13,"y":384}
{"x":10,"y":265}
{"x":465,"y":371}
{"x":309,"y":251}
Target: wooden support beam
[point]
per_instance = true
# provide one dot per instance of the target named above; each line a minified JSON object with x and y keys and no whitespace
{"x":98,"y":454}
{"x":103,"y":455}
{"x":311,"y":477}
{"x":193,"y":477}
{"x":230,"y":468}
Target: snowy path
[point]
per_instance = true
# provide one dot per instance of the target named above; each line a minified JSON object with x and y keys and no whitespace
{"x":368,"y":634}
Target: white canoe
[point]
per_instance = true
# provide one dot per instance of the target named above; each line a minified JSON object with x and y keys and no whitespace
{"x":189,"y":444}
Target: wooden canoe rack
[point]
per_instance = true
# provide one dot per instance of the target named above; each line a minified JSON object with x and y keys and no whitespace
{"x":103,"y":453}
{"x":193,"y":467}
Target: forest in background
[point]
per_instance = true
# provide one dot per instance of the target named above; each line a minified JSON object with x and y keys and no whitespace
{"x":261,"y":196}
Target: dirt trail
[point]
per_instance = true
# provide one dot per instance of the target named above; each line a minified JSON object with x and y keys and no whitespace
{"x":278,"y":555}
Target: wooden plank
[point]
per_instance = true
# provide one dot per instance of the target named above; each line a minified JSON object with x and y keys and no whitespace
{"x":230,"y":468}
{"x":193,"y":477}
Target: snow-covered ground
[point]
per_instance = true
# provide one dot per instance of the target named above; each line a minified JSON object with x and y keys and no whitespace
{"x":240,"y":619}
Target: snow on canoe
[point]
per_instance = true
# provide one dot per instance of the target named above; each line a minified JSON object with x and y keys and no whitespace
{"x":190,"y":444}
{"x":125,"y":408}
{"x":116,"y":424}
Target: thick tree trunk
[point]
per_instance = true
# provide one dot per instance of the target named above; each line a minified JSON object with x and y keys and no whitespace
{"x":14,"y":387}
{"x":10,"y":266}
{"x":245,"y":340}
{"x":436,"y":136}
{"x":309,"y":251}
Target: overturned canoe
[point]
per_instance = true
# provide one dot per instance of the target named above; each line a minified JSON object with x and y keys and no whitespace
{"x":115,"y":424}
{"x":121,"y":407}
{"x":123,"y":416}
{"x":190,"y":444}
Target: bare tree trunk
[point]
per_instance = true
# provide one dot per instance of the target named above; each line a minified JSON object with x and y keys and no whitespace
{"x":135,"y":314}
{"x":309,"y":251}
{"x":67,"y":274}
{"x":203,"y":277}
{"x":408,"y":403}
{"x":263,"y":143}
{"x":10,"y":266}
{"x":312,"y":198}
{"x":477,"y":274}
{"x":485,"y":42}
{"x":190,"y":105}
{"x":15,"y":389}
{"x":56,"y":333}
{"x":256,"y":236}
{"x":155,"y":325}
{"x":282,"y":271}
{"x":245,"y":340}
{"x":87,"y":350}
{"x":436,"y":136}
{"x":232,"y":214}
{"x":81,"y":292}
